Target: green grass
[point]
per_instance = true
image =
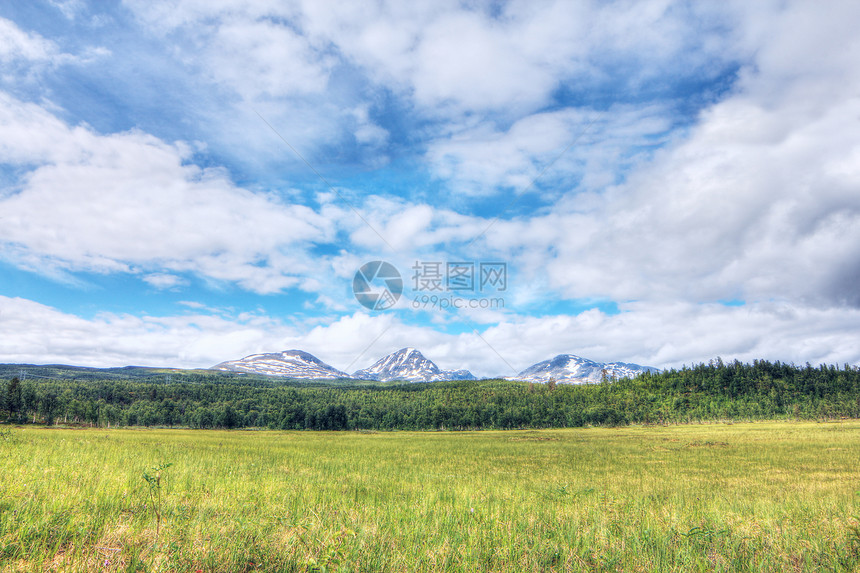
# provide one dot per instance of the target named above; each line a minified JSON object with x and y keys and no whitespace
{"x":743,"y":497}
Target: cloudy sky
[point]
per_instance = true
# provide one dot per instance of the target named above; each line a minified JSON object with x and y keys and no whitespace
{"x":192,"y":181}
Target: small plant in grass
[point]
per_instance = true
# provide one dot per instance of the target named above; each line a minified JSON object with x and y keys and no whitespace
{"x":154,"y":482}
{"x":331,"y":558}
{"x":854,"y":536}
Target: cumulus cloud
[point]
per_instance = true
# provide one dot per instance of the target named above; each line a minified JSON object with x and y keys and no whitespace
{"x":674,"y":334}
{"x":250,"y":58}
{"x":758,"y":201}
{"x":662,"y":335}
{"x":511,"y":57}
{"x":260,"y":58}
{"x":24,"y":54}
{"x":442,"y":59}
{"x":46,"y":335}
{"x":129,"y":201}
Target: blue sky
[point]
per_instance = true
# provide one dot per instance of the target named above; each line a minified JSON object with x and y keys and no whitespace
{"x":189,"y":182}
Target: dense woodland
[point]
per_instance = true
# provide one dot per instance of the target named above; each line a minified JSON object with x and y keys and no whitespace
{"x":714,"y":391}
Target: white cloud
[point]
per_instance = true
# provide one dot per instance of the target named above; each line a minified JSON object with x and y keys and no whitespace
{"x":758,"y":202}
{"x":25,"y":54}
{"x":164,"y":281}
{"x":16,"y":44}
{"x":35,"y":333}
{"x":71,"y":9}
{"x":365,"y":131}
{"x":249,"y":58}
{"x":510,"y":58}
{"x":662,"y":335}
{"x":193,"y":304}
{"x":411,"y":230}
{"x":587,"y":148}
{"x":467,"y":59}
{"x":313,"y":69}
{"x":257,"y":49}
{"x":674,"y":334}
{"x":446,"y":57}
{"x":260,"y":58}
{"x":129,"y":201}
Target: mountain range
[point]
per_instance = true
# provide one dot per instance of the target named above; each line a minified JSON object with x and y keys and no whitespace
{"x":410,"y":365}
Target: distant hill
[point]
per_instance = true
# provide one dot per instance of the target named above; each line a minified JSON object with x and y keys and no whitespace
{"x":572,"y":369}
{"x":288,"y":364}
{"x":65,"y":372}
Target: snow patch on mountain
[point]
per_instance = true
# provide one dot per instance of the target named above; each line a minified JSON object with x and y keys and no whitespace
{"x":410,"y":365}
{"x":572,"y":369}
{"x":287,"y":364}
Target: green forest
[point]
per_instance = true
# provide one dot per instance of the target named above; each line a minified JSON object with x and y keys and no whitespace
{"x":203,"y":399}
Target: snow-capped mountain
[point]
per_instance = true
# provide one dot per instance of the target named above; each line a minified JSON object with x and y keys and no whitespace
{"x":289,"y":364}
{"x":571,"y":369}
{"x":409,"y":364}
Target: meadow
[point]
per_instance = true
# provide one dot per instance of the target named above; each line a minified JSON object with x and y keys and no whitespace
{"x":767,"y":496}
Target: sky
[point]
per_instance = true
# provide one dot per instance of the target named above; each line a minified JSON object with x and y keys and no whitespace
{"x":657,"y":182}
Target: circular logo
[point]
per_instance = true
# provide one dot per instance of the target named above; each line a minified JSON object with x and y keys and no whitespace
{"x":377,"y":285}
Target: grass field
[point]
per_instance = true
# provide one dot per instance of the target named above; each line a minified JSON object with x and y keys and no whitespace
{"x":742,"y":497}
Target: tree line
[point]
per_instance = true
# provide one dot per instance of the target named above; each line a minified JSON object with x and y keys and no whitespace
{"x":704,"y":392}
